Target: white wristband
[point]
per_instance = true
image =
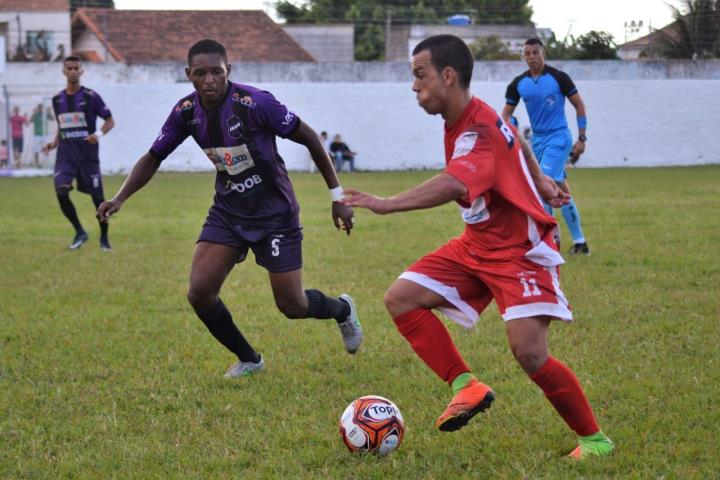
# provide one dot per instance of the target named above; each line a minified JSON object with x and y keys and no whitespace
{"x":337,"y":194}
{"x":98,"y":133}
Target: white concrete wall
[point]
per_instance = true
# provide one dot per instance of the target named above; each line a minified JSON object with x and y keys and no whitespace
{"x":633,"y":121}
{"x":650,"y":123}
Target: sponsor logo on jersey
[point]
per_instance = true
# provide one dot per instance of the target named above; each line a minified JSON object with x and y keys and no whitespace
{"x":244,"y":186}
{"x":72,"y":120}
{"x":233,"y":160}
{"x":550,"y":100}
{"x":73,"y":134}
{"x":289,"y":117}
{"x":246,"y":100}
{"x":235,"y":127}
{"x":476,"y":213}
{"x":184,"y":106}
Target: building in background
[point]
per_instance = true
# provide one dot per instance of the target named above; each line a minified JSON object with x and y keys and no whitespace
{"x":325,"y":42}
{"x":647,"y":47}
{"x":35,"y":30}
{"x":404,"y":38}
{"x":152,"y":36}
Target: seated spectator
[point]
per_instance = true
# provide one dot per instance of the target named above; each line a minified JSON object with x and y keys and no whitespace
{"x":342,"y":153}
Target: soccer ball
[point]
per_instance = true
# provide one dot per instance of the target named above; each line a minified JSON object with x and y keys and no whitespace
{"x":372,"y":424}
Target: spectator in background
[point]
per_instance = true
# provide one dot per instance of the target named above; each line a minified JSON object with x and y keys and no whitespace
{"x":60,"y":55}
{"x":3,"y":154}
{"x":341,"y":153}
{"x":40,"y":131}
{"x":17,"y":122}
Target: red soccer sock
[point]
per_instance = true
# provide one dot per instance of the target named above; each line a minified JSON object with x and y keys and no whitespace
{"x":431,"y":341}
{"x":562,"y":388}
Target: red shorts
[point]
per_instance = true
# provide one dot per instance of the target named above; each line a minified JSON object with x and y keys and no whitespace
{"x":521,"y":287}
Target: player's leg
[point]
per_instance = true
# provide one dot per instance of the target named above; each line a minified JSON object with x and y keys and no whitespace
{"x":435,"y":281}
{"x":64,"y":175}
{"x":89,"y":180}
{"x":528,"y":342}
{"x":104,"y":226}
{"x":211,"y":264}
{"x":571,"y":214}
{"x":281,"y":255}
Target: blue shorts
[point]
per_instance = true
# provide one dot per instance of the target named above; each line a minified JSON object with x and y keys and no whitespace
{"x":278,"y":250}
{"x":552,"y":151}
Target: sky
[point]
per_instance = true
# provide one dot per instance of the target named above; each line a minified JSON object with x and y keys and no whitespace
{"x":562,"y":16}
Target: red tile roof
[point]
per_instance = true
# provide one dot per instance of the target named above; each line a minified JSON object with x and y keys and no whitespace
{"x":146,"y":36}
{"x":35,"y":5}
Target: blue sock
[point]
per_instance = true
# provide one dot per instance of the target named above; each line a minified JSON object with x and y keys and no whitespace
{"x":572,"y":218}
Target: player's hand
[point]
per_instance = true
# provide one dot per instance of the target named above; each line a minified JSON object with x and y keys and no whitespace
{"x":107,"y":209}
{"x":552,"y":194}
{"x":47,"y":147}
{"x":356,"y":198}
{"x":578,"y":149}
{"x":343,"y":217}
{"x":92,"y":139}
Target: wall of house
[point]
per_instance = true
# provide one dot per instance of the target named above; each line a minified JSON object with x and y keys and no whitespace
{"x":633,"y":122}
{"x":88,"y":42}
{"x":326,"y":43}
{"x":58,"y":23}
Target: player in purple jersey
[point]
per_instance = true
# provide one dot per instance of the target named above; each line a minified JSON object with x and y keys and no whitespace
{"x":254,"y":206}
{"x":76,"y":109}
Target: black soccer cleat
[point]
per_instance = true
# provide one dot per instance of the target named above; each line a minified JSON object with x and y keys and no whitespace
{"x":79,"y":239}
{"x":579,"y":249}
{"x":105,"y":245}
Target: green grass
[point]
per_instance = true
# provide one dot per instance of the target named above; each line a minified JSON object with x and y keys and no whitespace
{"x":105,"y":372}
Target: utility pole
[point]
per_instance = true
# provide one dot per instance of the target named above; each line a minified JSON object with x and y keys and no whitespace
{"x":388,"y":24}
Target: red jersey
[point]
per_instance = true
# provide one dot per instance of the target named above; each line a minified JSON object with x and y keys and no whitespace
{"x":502,"y":211}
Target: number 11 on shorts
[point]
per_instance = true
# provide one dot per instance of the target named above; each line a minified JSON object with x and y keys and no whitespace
{"x":530,"y":288}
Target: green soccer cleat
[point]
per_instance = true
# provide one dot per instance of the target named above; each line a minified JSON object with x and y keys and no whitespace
{"x":596,"y":445}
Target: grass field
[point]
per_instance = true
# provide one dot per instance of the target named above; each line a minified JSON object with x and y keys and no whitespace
{"x":105,"y":372}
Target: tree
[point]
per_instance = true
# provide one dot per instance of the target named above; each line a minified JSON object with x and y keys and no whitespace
{"x":695,"y":33}
{"x":565,"y":49}
{"x":492,"y":48}
{"x":371,"y":17}
{"x":596,"y":46}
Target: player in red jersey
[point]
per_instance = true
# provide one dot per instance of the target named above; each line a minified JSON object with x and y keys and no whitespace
{"x":507,"y":252}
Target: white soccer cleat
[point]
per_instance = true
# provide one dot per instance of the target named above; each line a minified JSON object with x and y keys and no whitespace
{"x":351,"y":330}
{"x":78,"y":241}
{"x":245,"y":369}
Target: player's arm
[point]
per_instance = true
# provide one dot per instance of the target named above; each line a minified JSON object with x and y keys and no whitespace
{"x":507,"y":112}
{"x":140,"y":175}
{"x":580,"y":112}
{"x":51,"y":145}
{"x":546,"y":186}
{"x":107,"y":125}
{"x":439,"y":190}
{"x":342,"y":214}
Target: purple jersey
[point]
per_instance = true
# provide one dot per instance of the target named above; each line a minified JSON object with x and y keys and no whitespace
{"x":252,"y":184}
{"x":76,"y":115}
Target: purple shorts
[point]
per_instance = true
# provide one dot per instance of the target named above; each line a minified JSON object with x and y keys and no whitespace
{"x":87,"y":175}
{"x":276,"y":250}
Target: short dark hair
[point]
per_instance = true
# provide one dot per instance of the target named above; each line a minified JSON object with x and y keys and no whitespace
{"x":449,"y":51}
{"x":207,"y":45}
{"x":71,"y":58}
{"x":534,"y":41}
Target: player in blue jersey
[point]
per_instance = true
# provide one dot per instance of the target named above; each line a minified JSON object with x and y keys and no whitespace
{"x":254,"y":206}
{"x":77,"y":109}
{"x":543,"y":89}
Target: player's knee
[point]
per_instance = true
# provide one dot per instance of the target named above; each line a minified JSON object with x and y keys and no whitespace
{"x":530,"y":359}
{"x":200,"y":300}
{"x":62,"y":191}
{"x":97,"y":200}
{"x":396,"y":303}
{"x":290,"y":308}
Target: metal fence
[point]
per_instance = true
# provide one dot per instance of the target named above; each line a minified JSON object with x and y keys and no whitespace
{"x":27,"y":123}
